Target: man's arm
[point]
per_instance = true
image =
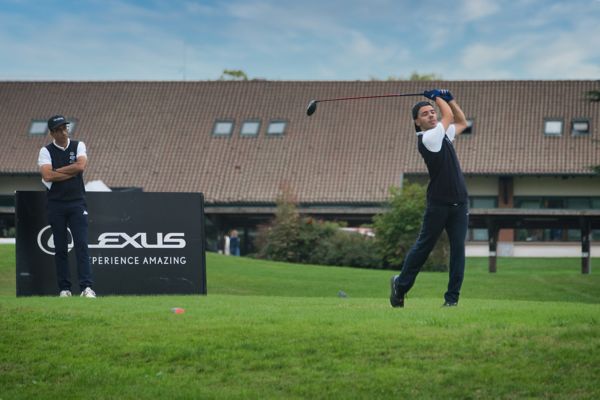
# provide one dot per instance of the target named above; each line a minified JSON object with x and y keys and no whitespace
{"x":50,"y":175}
{"x":446,"y":110}
{"x":460,"y":121}
{"x":62,"y":173}
{"x":75,"y":168}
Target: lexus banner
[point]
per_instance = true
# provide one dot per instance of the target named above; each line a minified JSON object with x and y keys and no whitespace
{"x":139,"y":243}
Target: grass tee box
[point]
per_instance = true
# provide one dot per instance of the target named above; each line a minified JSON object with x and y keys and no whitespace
{"x":139,"y":243}
{"x":279,"y":331}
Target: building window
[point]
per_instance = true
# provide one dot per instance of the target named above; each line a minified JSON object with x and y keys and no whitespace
{"x":223,"y":128}
{"x":553,"y":127}
{"x":556,"y":233}
{"x":578,"y":203}
{"x":40,"y":127}
{"x":484,"y":202}
{"x":481,"y":234}
{"x":276,"y":127}
{"x":580,"y":127}
{"x":469,"y":129}
{"x":250,"y":128}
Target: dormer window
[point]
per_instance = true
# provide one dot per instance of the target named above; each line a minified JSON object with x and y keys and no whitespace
{"x":580,"y":126}
{"x":250,"y":127}
{"x":223,"y":128}
{"x":38,"y":127}
{"x":276,"y":127}
{"x":553,"y":127}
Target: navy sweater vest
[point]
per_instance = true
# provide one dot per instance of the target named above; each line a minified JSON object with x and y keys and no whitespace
{"x":446,"y":180}
{"x":71,"y":189}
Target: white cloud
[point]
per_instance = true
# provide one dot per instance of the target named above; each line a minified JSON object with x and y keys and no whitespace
{"x":555,"y":42}
{"x":361,"y":47}
{"x":360,"y":56}
{"x":440,"y":36}
{"x":483,"y":61}
{"x":477,"y":9}
{"x":281,"y":39}
{"x":193,"y":7}
{"x":83,"y":47}
{"x":566,"y":55}
{"x":481,"y":55}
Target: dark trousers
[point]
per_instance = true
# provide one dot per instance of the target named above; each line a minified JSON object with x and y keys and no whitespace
{"x":72,"y":215}
{"x":454,"y":218}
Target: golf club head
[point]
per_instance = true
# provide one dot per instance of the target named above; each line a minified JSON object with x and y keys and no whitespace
{"x":312,"y":107}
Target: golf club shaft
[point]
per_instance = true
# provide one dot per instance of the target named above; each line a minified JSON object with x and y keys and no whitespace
{"x":371,"y":97}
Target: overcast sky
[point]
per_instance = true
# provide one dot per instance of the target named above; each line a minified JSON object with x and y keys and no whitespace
{"x":299,"y":40}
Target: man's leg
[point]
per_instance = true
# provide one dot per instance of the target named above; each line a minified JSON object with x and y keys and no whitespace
{"x":433,"y":224}
{"x":458,"y":221}
{"x":78,"y":222}
{"x":58,"y":224}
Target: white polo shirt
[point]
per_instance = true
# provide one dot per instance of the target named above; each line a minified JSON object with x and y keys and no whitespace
{"x":44,"y":157}
{"x":433,"y":138}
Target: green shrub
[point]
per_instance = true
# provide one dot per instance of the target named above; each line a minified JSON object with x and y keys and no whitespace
{"x":314,"y":234}
{"x":289,"y":237}
{"x":349,"y":249}
{"x":292,"y":238}
{"x":397,"y":229}
{"x":279,"y":240}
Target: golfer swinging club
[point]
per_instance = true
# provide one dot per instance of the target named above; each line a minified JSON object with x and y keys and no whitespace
{"x":447,"y":198}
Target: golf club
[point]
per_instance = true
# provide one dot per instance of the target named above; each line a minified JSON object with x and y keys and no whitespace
{"x":312,"y":105}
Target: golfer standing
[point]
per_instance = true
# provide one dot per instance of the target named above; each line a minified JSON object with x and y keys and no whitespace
{"x":447,"y":198}
{"x":62,"y":163}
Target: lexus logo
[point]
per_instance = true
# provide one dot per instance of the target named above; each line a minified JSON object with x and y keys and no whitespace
{"x":45,"y":240}
{"x":116,"y":240}
{"x":140,"y":240}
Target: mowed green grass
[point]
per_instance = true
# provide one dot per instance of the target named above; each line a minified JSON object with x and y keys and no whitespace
{"x":276,"y":330}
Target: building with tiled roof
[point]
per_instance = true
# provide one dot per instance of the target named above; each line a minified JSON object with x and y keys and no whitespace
{"x":532,"y":143}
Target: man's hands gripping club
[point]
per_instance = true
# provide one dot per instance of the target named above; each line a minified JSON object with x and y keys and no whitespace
{"x":443,"y":93}
{"x":451,"y":112}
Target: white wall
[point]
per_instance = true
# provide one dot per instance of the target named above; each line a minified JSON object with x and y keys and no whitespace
{"x":10,"y":184}
{"x":482,"y":185}
{"x":540,"y":249}
{"x":556,"y":186}
{"x":536,"y":186}
{"x":476,"y":185}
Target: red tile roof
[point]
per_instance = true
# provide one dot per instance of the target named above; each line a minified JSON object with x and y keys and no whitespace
{"x":157,"y":135}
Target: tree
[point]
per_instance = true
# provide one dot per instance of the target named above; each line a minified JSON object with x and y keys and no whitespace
{"x":233,"y":74}
{"x":293,"y":238}
{"x":593,"y":95}
{"x":278,"y":240}
{"x":415,"y":76}
{"x":397,"y":229}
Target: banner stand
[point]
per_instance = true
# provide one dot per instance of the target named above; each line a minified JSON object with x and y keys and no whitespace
{"x":139,"y":244}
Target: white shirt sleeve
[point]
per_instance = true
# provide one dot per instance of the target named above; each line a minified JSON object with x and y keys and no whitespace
{"x":451,"y":132}
{"x":433,"y":138}
{"x":44,"y":157}
{"x":81,"y":150}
